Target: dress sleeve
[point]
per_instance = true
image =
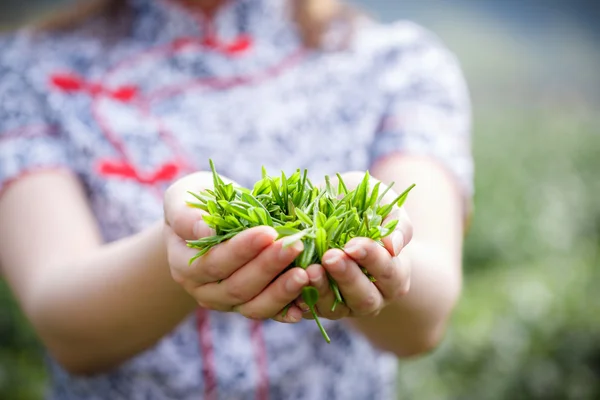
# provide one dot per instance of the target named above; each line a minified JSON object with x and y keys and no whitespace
{"x":30,"y":139}
{"x":427,"y":107}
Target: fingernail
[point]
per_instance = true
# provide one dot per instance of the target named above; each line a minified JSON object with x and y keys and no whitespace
{"x":318,"y":281}
{"x":303,"y":306}
{"x":356,"y":252}
{"x":332,"y":260}
{"x":201,"y":230}
{"x":261,"y":240}
{"x":296,"y":247}
{"x":294,"y":283}
{"x":397,"y":242}
{"x":294,"y":316}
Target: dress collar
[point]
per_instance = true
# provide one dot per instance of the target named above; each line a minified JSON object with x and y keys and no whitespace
{"x":234,"y":27}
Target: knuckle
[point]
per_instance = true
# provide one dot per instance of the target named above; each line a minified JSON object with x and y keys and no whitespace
{"x":203,"y":304}
{"x":399,"y":293}
{"x":242,"y":250}
{"x":407,"y":228}
{"x":177,"y":276}
{"x":374,"y":313}
{"x":167,"y":197}
{"x":339,"y":313}
{"x":402,"y":290}
{"x":404,"y":269}
{"x":251,"y":314}
{"x":211,"y":271}
{"x":172,"y":260}
{"x":235,"y":290}
{"x":271,"y":264}
{"x":308,"y":315}
{"x":369,"y":303}
{"x":179,"y":221}
{"x":389,"y":271}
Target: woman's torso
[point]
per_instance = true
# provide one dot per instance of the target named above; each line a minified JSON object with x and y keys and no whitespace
{"x":144,"y":110}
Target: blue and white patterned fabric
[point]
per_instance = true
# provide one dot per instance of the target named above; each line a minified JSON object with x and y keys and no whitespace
{"x":131,"y":110}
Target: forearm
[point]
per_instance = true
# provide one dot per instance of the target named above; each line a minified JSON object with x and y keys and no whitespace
{"x":415,"y":324}
{"x":96,"y":312}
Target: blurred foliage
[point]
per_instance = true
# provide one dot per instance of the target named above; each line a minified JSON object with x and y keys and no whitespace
{"x":528,"y":324}
{"x":22,"y":373}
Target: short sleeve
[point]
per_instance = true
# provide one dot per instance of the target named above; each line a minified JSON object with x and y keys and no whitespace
{"x":30,"y":140}
{"x":427,"y":106}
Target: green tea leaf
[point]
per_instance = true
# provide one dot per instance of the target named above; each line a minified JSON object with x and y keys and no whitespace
{"x":384,"y":211}
{"x":336,"y":292}
{"x":261,"y":187}
{"x":285,"y":230}
{"x":391,"y":225}
{"x":321,"y":220}
{"x":276,"y":194}
{"x":339,"y":230}
{"x":297,"y":210}
{"x":374,"y":233}
{"x":374,"y":195}
{"x":303,"y":217}
{"x":233,"y":221}
{"x":342,"y":189}
{"x":382,"y":195}
{"x":321,"y":242}
{"x":328,"y":207}
{"x":289,"y":240}
{"x":215,"y":222}
{"x":291,"y":208}
{"x":331,"y":223}
{"x":306,"y":258}
{"x":361,"y":193}
{"x":284,"y":192}
{"x":264,"y":218}
{"x":197,"y":205}
{"x":311,"y":297}
{"x":217,"y":181}
{"x":250,"y":199}
{"x":329,"y":188}
{"x":262,"y":212}
{"x":226,"y":191}
{"x":202,"y":199}
{"x":371,"y":277}
{"x":212,"y":207}
{"x":238,"y":211}
{"x":402,"y":198}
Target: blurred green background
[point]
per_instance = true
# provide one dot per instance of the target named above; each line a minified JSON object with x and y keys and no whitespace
{"x":528,"y":325}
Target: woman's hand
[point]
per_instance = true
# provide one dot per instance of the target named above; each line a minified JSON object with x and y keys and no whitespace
{"x":240,"y":275}
{"x":361,"y":296}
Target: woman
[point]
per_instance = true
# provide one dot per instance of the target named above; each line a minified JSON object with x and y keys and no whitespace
{"x":102,"y":113}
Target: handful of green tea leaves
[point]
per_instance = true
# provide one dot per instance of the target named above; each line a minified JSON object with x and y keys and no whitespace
{"x":321,"y":217}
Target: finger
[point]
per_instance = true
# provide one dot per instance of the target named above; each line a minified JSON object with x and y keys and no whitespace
{"x":289,"y":315}
{"x":360,"y":295}
{"x":251,"y":279}
{"x":276,"y":296}
{"x":222,"y":260}
{"x":403,"y":233}
{"x":186,"y":221}
{"x":320,"y":281}
{"x":392,"y":277}
{"x":178,"y":256}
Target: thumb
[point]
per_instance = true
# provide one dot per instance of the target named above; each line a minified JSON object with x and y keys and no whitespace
{"x":185,"y":220}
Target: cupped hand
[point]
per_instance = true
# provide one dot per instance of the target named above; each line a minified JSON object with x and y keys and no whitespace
{"x":243,"y":274}
{"x":363,"y":297}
